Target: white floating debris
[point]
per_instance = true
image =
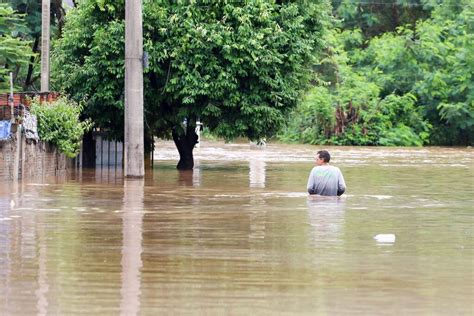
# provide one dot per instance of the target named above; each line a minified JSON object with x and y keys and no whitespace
{"x":380,"y":197}
{"x":389,"y":238}
{"x":12,"y":204}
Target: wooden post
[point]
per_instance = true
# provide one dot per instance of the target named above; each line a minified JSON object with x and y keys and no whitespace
{"x":134,"y":147}
{"x":16,"y":161}
{"x":10,"y":100}
{"x":45,"y":14}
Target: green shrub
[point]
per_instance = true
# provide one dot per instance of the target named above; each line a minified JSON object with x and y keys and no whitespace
{"x":312,"y":121}
{"x":59,"y":124}
{"x":401,"y":135}
{"x":405,"y":125}
{"x":391,"y":121}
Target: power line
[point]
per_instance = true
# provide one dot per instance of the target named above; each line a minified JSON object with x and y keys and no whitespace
{"x":408,"y":4}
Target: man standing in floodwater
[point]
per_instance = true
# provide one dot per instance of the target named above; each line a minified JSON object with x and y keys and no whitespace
{"x":325,"y":179}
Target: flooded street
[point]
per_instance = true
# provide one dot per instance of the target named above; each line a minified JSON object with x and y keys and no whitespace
{"x":239,"y":236}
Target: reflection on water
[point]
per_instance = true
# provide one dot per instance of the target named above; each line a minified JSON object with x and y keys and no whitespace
{"x":257,"y":173}
{"x":326,"y":217}
{"x":196,"y":175}
{"x":238,"y":235}
{"x":42,"y":290}
{"x":132,"y":246}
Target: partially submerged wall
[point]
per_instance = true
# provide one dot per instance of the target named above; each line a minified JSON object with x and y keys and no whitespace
{"x":22,"y":159}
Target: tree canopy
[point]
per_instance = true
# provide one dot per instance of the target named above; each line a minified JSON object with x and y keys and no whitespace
{"x":409,"y":86}
{"x":14,"y":51}
{"x":28,"y":30}
{"x":238,"y":67}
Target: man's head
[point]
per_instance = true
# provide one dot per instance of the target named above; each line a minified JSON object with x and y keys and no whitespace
{"x":322,"y":157}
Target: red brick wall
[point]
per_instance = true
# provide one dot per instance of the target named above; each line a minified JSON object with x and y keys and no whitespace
{"x":23,"y":98}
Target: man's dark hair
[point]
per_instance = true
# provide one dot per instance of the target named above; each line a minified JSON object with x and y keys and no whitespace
{"x":324,"y":155}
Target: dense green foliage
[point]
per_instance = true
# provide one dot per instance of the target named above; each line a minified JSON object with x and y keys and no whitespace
{"x":14,"y":51}
{"x":375,"y":17}
{"x":26,"y":74}
{"x":59,"y":124}
{"x":393,"y":72}
{"x":237,"y":66}
{"x":412,"y":86}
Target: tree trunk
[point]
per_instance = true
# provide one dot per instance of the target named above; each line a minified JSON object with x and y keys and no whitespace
{"x":149,"y":146}
{"x":88,"y":150}
{"x":185,"y":144}
{"x":29,"y":80}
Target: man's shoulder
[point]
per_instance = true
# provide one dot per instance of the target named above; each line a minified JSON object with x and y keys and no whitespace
{"x":334,"y":169}
{"x":337,"y":168}
{"x":329,"y":167}
{"x":326,"y":168}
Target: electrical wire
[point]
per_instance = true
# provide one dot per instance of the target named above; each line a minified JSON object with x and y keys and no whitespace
{"x":405,"y":4}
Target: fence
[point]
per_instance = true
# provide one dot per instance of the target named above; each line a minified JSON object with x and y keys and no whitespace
{"x":108,"y":152}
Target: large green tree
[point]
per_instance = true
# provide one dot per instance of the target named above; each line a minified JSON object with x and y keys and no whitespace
{"x":410,"y":86}
{"x":27,"y":74}
{"x":14,"y":51}
{"x":346,"y":108}
{"x":375,"y":17}
{"x":435,"y":62}
{"x":238,"y":67}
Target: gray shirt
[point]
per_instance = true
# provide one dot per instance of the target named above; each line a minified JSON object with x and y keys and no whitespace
{"x":326,"y":180}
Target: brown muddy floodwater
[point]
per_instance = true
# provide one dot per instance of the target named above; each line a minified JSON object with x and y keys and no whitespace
{"x":238,"y":236}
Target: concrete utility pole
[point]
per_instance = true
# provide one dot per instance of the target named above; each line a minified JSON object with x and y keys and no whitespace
{"x":45,"y":14}
{"x":134,"y":150}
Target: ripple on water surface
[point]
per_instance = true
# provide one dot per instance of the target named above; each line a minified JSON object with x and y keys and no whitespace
{"x":239,"y":235}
